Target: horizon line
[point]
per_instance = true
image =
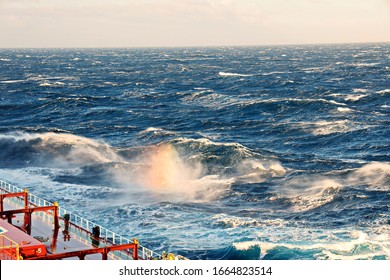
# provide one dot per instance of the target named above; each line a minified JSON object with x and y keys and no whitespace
{"x":204,"y":46}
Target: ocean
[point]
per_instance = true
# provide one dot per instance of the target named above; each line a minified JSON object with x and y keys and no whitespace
{"x":269,"y":152}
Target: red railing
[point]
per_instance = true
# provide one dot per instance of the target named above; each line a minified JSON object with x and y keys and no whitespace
{"x":9,"y":250}
{"x":79,"y":225}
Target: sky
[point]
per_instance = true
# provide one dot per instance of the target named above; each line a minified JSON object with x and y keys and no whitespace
{"x":174,"y":23}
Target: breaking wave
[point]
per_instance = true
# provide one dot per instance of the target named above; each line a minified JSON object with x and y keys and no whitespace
{"x":336,"y":245}
{"x":195,"y":169}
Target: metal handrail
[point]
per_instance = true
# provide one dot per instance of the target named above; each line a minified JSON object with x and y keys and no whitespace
{"x":12,"y":248}
{"x":83,"y":224}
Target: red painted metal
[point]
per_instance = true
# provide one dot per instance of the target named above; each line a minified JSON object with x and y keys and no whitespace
{"x":28,"y":246}
{"x":31,"y":248}
{"x":27,"y":219}
{"x":82,"y":253}
{"x":9,"y":195}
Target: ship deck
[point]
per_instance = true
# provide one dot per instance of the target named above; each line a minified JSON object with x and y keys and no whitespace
{"x":42,"y":229}
{"x":65,"y":235}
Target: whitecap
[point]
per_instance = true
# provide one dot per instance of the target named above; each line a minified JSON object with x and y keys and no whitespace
{"x":203,"y":142}
{"x":352,"y":97}
{"x":336,"y":94}
{"x":12,"y":81}
{"x":227,"y":74}
{"x":344,"y":110}
{"x":365,"y":64}
{"x":156,"y":131}
{"x":274,"y":73}
{"x":298,"y":100}
{"x":335,"y":245}
{"x":111,"y":84}
{"x":81,"y":150}
{"x":45,"y":85}
{"x":309,"y":192}
{"x":313,"y":69}
{"x":359,"y":90}
{"x":349,"y":97}
{"x":374,"y":174}
{"x":330,"y":127}
{"x":335,"y":80}
{"x":384,"y":91}
{"x":257,"y":171}
{"x":234,"y":221}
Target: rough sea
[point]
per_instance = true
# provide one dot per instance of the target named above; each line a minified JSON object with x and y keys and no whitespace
{"x":273,"y":152}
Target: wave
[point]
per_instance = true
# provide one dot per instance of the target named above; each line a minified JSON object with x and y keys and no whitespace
{"x":384,"y":91}
{"x":352,"y":97}
{"x":190,"y":169}
{"x":235,"y":252}
{"x":46,"y":84}
{"x":359,"y":90}
{"x":206,"y":145}
{"x":55,"y":149}
{"x":355,"y":97}
{"x":316,"y":69}
{"x":12,"y":81}
{"x":158,"y":168}
{"x":345,"y":244}
{"x":331,"y":127}
{"x":308,"y":193}
{"x":338,"y":245}
{"x":314,"y":191}
{"x":155,"y":134}
{"x":229,"y":160}
{"x":227,"y":221}
{"x":302,"y":101}
{"x":362,"y":65}
{"x":376,"y":175}
{"x":227,"y":74}
{"x":213,"y":100}
{"x":344,"y":110}
{"x":275,"y":73}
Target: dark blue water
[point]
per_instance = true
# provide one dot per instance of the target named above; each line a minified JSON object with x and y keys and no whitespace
{"x":213,"y":153}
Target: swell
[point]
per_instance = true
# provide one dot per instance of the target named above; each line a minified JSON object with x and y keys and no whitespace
{"x":283,"y":147}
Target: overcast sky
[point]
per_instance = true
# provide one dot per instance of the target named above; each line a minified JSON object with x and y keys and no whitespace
{"x":154,"y":23}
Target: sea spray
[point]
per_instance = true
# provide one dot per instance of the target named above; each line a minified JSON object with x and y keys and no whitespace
{"x":165,"y":170}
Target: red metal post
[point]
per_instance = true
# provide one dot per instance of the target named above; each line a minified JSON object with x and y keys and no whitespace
{"x":27,"y":223}
{"x":54,"y":240}
{"x":56,"y":219}
{"x":104,"y":254}
{"x":25,"y":198}
{"x":135,"y":249}
{"x":27,"y":217}
{"x":1,"y":203}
